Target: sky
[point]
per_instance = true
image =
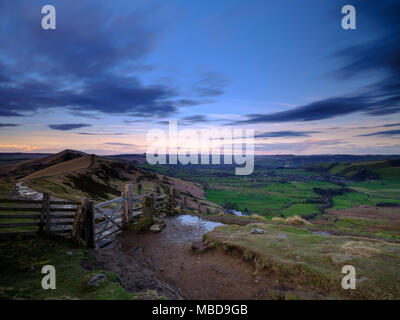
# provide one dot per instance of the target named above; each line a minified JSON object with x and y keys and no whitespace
{"x":113,"y":70}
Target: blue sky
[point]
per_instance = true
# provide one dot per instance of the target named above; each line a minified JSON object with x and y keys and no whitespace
{"x":113,"y":70}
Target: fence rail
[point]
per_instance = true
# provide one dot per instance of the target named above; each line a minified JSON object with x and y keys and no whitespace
{"x":92,"y":222}
{"x":19,"y":216}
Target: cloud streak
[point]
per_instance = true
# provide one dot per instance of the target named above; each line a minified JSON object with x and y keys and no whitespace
{"x":284,"y":134}
{"x":68,"y":126}
{"x":8,"y":125}
{"x":381,"y":133}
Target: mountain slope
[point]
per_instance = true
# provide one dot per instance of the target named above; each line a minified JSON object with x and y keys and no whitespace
{"x":25,"y":168}
{"x":101,"y":179}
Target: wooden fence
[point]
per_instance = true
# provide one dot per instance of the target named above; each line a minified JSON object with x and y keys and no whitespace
{"x":36,"y":216}
{"x":95,"y":223}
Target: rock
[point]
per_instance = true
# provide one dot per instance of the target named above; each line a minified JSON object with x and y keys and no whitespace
{"x":158,"y":220}
{"x":361,"y":279}
{"x":339,"y":258}
{"x":155,"y":228}
{"x":282,"y":236}
{"x":257,"y":231}
{"x":162,"y":215}
{"x":256,"y":281}
{"x":69,"y":253}
{"x":194,"y":245}
{"x":96,"y":279}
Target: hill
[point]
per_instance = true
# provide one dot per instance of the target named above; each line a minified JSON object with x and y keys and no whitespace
{"x":371,"y":170}
{"x":73,"y":175}
{"x":23,"y":168}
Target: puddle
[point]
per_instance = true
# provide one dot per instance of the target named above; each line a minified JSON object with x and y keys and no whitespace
{"x":236,"y":213}
{"x":198,"y":222}
{"x":185,"y":228}
{"x":322,"y":233}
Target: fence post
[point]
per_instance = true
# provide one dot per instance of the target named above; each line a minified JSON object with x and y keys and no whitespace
{"x":171,"y":200}
{"x":89,"y":223}
{"x":198,"y":208}
{"x":154,"y":195}
{"x":184,"y":206}
{"x":123,"y":210}
{"x":78,"y":219}
{"x":148,"y":207}
{"x":128,"y":207}
{"x":45,"y":213}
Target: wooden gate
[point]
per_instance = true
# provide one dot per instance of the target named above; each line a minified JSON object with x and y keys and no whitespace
{"x":109,"y":218}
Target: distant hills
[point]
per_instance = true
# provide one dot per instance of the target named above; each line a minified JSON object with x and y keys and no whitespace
{"x":261,"y":161}
{"x":385,"y":170}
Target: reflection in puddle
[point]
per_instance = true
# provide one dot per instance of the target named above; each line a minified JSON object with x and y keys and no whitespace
{"x":186,"y":228}
{"x":198,"y":222}
{"x":236,"y":213}
{"x":322,"y":233}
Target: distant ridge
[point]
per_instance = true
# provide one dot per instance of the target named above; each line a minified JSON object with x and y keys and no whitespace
{"x":25,"y":168}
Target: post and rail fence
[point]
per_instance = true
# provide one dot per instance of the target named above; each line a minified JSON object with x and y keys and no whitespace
{"x":94,"y":223}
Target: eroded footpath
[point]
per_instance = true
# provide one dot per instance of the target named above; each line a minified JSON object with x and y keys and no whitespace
{"x":176,"y":263}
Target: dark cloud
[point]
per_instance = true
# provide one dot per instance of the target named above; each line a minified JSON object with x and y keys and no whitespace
{"x":391,"y":125}
{"x":86,"y":64}
{"x":282,"y":134}
{"x":379,"y":56}
{"x":5,"y":125}
{"x":68,"y":126}
{"x":190,"y":120}
{"x":192,"y":102}
{"x":163,"y":122}
{"x":320,"y":110}
{"x":381,"y":133}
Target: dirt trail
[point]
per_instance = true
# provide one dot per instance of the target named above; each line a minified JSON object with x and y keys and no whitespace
{"x":210,"y":275}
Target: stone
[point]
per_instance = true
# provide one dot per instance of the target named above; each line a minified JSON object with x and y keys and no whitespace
{"x":155,"y":228}
{"x":282,"y":236}
{"x":340,"y":258}
{"x":361,"y":279}
{"x":96,"y":279}
{"x":257,"y":231}
{"x":162,"y":215}
{"x":194,"y":245}
{"x":158,"y":220}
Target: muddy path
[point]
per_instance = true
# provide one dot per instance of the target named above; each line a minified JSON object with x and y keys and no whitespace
{"x":178,"y":269}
